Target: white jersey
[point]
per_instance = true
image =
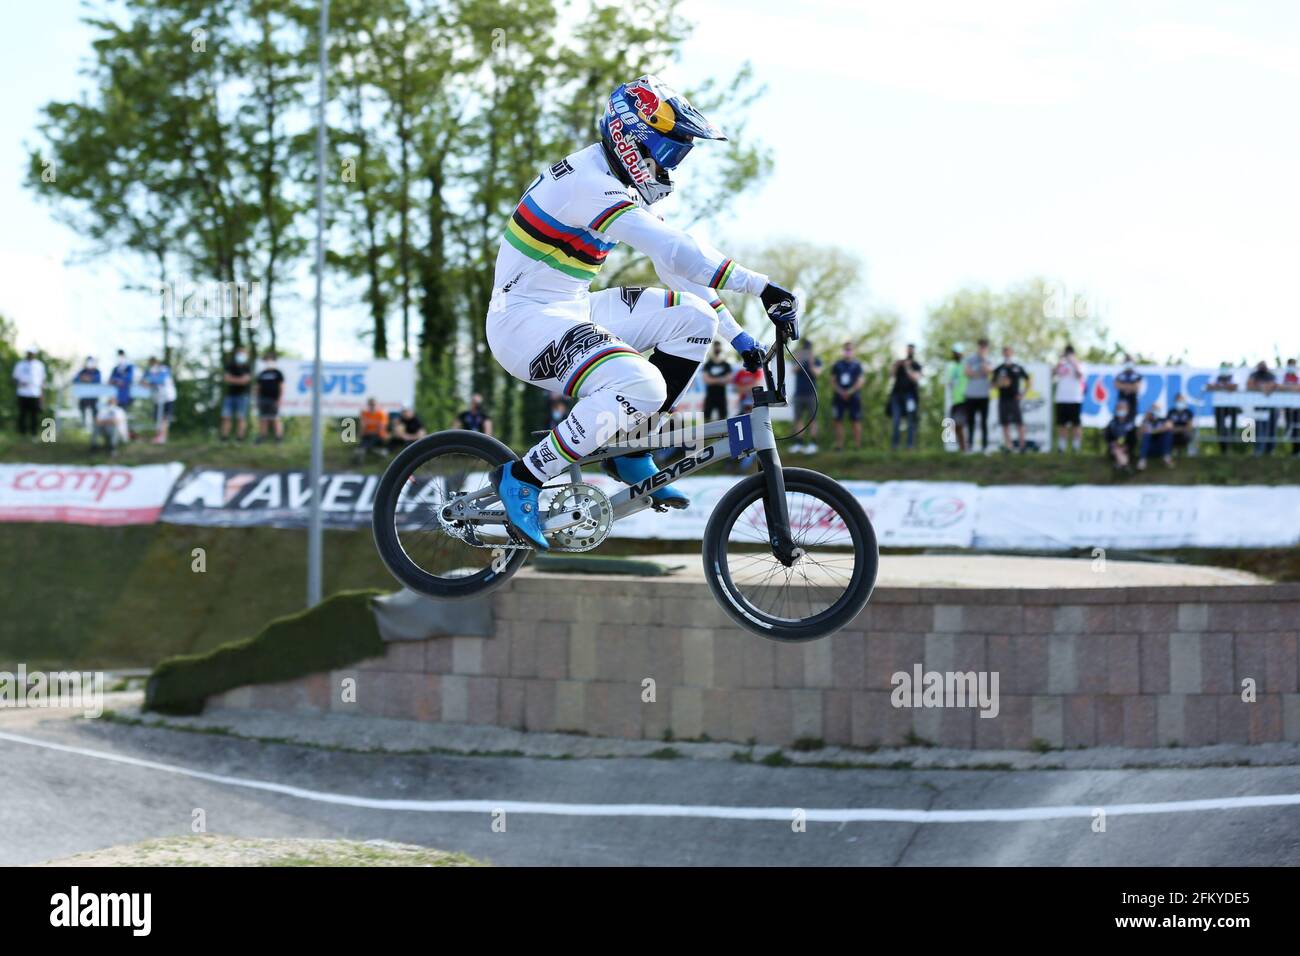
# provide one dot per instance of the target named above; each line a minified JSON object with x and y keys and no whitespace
{"x":1069,"y":383}
{"x":571,"y":218}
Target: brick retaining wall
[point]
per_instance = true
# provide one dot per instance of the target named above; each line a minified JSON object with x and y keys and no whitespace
{"x":1138,"y":667}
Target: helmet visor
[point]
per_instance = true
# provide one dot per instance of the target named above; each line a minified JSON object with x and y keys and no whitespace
{"x":668,"y":153}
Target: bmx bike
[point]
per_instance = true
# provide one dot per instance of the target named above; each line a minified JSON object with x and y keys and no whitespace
{"x":788,"y":553}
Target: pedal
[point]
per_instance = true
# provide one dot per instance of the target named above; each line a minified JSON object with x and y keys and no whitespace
{"x":673,"y":504}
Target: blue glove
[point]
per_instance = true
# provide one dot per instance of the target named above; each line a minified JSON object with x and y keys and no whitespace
{"x":751,"y":351}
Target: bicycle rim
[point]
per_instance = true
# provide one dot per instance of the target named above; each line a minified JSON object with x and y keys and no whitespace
{"x":818,"y":584}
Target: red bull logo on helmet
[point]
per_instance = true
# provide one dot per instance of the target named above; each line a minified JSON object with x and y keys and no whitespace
{"x":646,"y":100}
{"x":625,"y":149}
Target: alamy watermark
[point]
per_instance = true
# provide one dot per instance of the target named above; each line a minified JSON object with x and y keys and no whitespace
{"x":212,"y":300}
{"x":922,"y":688}
{"x":77,"y":690}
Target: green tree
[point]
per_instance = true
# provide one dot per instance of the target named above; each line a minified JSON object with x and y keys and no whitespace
{"x":830,"y":280}
{"x":1032,"y":316}
{"x":193,"y":149}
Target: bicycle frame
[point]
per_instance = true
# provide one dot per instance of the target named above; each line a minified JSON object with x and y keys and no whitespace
{"x":760,"y":440}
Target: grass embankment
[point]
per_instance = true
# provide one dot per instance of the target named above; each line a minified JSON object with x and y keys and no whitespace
{"x":339,"y":631}
{"x":129,"y":597}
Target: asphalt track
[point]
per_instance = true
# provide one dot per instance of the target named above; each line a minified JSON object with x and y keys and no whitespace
{"x":71,"y":786}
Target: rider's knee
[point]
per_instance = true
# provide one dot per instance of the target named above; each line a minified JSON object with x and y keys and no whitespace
{"x":642,"y":386}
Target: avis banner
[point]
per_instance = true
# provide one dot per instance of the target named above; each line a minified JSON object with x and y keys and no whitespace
{"x":345,"y":386}
{"x":1160,"y":383}
{"x":76,"y":494}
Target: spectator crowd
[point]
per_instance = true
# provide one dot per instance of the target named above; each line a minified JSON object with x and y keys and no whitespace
{"x":973,"y":383}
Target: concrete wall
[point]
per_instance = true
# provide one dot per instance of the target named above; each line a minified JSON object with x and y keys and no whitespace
{"x":1138,"y":667}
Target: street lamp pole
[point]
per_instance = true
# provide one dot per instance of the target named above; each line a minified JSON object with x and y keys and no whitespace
{"x":315,"y":534}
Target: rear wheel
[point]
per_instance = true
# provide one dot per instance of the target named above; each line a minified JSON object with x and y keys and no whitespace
{"x":823,"y":590}
{"x":422,"y":548}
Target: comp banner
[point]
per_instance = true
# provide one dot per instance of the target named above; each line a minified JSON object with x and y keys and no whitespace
{"x":345,"y":386}
{"x":1034,"y":517}
{"x":1160,"y":383}
{"x":75,"y":494}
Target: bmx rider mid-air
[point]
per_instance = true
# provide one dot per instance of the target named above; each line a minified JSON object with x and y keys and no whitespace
{"x":547,"y":328}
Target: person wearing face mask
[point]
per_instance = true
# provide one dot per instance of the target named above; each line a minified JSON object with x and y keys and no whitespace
{"x":1128,"y":383}
{"x":1225,"y":417}
{"x":270,"y":386}
{"x":29,"y":384}
{"x":1263,"y":380}
{"x":1069,"y":378}
{"x":158,"y":377}
{"x":88,"y":405}
{"x":1291,"y":383}
{"x":1120,"y":437}
{"x":1156,"y":437}
{"x":122,"y":378}
{"x":238,"y":379}
{"x":1182,"y":420}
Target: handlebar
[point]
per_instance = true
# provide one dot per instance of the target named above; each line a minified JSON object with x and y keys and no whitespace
{"x":778,"y":350}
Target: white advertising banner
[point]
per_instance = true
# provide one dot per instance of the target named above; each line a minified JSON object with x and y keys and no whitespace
{"x":79,"y":494}
{"x":1034,"y":517}
{"x":908,"y":514}
{"x":345,"y":386}
{"x":904,"y":513}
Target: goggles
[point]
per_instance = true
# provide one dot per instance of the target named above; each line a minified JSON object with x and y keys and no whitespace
{"x":668,"y":153}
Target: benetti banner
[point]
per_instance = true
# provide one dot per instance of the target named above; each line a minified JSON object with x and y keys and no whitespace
{"x":1033,"y":517}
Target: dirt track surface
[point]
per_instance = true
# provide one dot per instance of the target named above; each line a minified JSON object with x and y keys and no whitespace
{"x":60,"y":795}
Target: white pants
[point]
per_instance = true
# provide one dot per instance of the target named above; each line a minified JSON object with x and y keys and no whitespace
{"x":590,"y":349}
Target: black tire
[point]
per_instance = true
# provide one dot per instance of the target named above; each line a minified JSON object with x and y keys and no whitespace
{"x":388,"y":537}
{"x":719,"y":558}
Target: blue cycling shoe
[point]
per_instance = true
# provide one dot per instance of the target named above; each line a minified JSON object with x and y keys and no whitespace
{"x":519,"y":498}
{"x":639,"y":466}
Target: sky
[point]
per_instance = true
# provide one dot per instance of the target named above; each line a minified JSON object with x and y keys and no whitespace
{"x":1145,"y":155}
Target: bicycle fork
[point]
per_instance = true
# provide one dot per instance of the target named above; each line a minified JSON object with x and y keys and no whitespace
{"x":779,"y":536}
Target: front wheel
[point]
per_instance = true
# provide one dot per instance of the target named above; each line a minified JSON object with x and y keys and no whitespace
{"x":823,"y":590}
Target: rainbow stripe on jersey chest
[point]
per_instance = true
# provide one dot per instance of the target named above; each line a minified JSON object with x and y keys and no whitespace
{"x":574,"y":251}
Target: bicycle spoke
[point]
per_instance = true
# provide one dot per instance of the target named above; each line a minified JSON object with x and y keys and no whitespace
{"x":815,"y":582}
{"x":420,"y":531}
